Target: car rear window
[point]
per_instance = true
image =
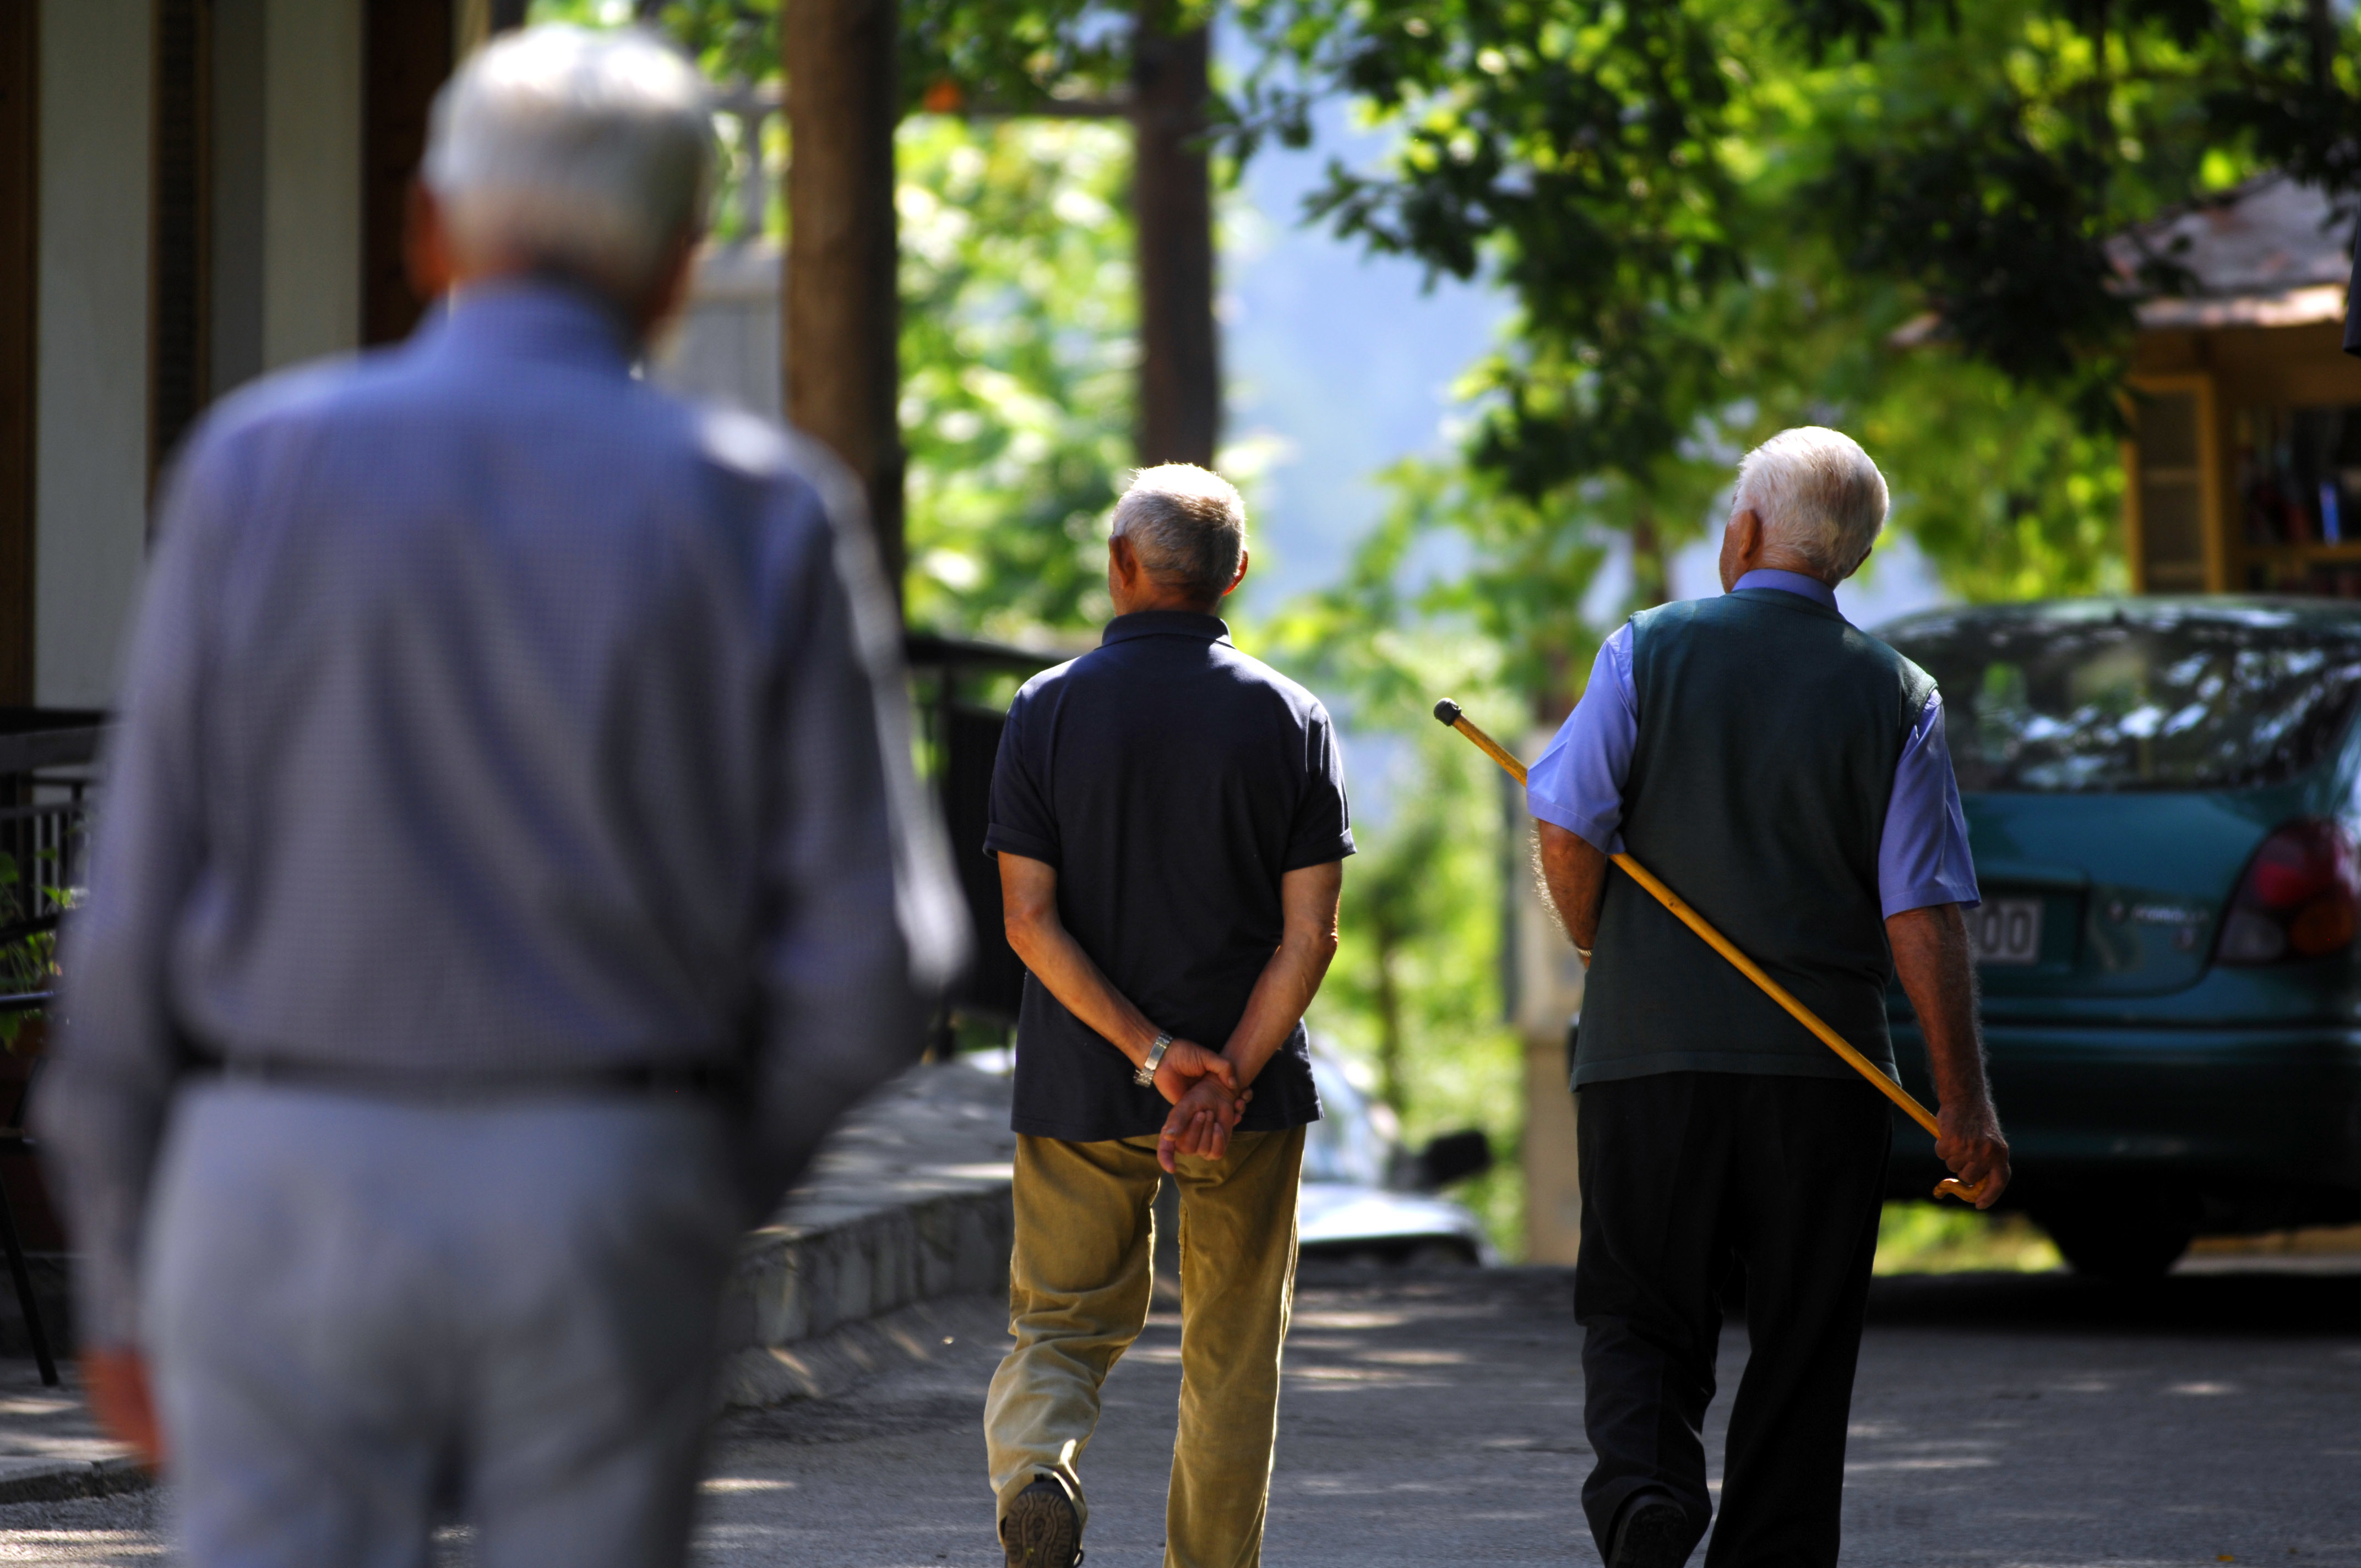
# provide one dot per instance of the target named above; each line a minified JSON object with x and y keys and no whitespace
{"x":2149,"y":700}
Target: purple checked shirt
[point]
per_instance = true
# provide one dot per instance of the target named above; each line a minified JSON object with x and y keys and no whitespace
{"x":1922,"y":856}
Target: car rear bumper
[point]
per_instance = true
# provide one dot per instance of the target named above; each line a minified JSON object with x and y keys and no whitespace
{"x":1335,"y":1217}
{"x":2219,"y":1109}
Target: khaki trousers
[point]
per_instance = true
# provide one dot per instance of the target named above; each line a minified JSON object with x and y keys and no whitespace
{"x":1079,"y":1283}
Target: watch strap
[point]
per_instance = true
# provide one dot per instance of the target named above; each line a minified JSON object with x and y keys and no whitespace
{"x":1146,"y":1075}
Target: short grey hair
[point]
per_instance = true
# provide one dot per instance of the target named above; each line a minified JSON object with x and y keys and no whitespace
{"x":1817,"y":493}
{"x":1188,"y":525}
{"x":587,"y":153}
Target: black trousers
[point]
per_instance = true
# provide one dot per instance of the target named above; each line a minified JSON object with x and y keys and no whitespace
{"x":1685,"y":1175}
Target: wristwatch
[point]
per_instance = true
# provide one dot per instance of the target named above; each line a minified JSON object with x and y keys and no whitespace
{"x":1145,"y":1075}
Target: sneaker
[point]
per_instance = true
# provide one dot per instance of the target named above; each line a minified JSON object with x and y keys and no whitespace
{"x":1041,"y":1529}
{"x":1652,"y":1533}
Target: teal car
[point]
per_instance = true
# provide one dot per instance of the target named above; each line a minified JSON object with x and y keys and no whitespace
{"x":2163,"y":798}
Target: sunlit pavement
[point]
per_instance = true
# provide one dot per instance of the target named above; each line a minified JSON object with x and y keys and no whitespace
{"x":2003,"y":1419}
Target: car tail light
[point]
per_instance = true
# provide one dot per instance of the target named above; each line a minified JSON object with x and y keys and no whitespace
{"x":2300,"y":897}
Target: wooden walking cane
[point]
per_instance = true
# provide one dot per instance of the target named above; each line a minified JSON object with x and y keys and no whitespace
{"x":1447,"y":712}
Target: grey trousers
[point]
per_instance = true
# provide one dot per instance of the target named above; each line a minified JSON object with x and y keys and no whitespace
{"x":358,"y":1308}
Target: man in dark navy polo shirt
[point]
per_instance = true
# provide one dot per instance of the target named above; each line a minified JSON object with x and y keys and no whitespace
{"x":1170,"y":823}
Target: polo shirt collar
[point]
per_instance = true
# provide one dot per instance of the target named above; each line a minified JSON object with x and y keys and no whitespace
{"x":1164,"y":623}
{"x":1812,"y":588}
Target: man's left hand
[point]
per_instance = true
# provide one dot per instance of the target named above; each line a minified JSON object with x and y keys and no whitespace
{"x":1200,"y":1123}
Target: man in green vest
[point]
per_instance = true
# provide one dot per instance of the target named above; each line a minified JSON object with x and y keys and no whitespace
{"x":1787,"y":775}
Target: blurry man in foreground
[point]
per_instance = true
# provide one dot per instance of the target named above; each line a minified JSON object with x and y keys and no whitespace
{"x":509,"y":869}
{"x":1170,"y":823}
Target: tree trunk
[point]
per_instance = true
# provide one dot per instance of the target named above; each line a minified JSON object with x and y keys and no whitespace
{"x":1180,"y":344}
{"x":843,"y":314}
{"x":407,"y":59}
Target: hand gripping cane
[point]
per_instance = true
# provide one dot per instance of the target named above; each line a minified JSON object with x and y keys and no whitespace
{"x":1447,"y":712}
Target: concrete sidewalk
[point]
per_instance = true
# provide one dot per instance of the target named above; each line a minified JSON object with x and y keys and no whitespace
{"x":908,"y":1203}
{"x":50,"y":1449}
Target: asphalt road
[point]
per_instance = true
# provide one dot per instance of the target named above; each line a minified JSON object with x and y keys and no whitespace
{"x":1435,"y":1420}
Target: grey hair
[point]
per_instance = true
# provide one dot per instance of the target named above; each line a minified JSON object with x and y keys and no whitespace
{"x":1188,"y":525}
{"x":1817,"y":493}
{"x":589,"y":153}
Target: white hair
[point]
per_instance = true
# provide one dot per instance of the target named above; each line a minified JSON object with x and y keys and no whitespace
{"x":1188,"y":525}
{"x":586,"y":153}
{"x":1817,"y":493}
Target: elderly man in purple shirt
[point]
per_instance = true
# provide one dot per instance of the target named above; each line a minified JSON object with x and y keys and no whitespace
{"x":512,"y":864}
{"x":1787,"y":775}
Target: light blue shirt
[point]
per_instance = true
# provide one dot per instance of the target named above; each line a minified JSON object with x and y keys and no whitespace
{"x":1922,"y":854}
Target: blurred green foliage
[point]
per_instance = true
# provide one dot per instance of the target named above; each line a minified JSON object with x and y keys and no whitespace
{"x":1945,"y":1238}
{"x":1019,"y":304}
{"x":1414,"y":992}
{"x":1714,"y":216}
{"x":1018,"y":359}
{"x":28,"y":959}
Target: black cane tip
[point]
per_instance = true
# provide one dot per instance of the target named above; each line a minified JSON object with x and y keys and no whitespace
{"x":1446,"y":712}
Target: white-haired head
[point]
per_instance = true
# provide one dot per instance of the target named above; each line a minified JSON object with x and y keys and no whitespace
{"x":1818,"y":495}
{"x":1187,"y":525}
{"x":584,"y":153}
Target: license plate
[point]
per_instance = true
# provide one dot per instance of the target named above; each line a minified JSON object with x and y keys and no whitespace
{"x":2005,"y":931}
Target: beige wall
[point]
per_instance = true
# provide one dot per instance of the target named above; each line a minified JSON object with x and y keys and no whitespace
{"x":1549,"y":991}
{"x":287,"y":259}
{"x":312,"y":187}
{"x":91,"y":457}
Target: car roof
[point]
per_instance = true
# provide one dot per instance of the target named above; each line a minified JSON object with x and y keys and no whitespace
{"x":2257,"y":610}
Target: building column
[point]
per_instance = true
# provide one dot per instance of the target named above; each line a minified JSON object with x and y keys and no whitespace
{"x":20,"y":311}
{"x":91,"y":405}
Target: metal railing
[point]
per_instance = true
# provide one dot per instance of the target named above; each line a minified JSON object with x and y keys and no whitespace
{"x":48,"y":782}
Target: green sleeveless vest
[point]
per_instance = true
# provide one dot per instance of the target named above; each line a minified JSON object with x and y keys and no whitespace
{"x":1769,"y":731}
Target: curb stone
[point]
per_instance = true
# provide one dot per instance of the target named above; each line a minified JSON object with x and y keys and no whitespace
{"x":908,"y":1203}
{"x":57,"y":1480}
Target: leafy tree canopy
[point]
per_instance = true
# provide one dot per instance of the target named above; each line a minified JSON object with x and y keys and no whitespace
{"x":1713,"y":215}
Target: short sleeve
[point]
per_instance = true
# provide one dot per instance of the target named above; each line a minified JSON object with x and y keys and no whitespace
{"x":1021,"y":820}
{"x":1323,"y":830}
{"x":1922,"y":856}
{"x":1577,"y":785}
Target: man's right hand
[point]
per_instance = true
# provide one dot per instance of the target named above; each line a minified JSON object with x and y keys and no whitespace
{"x":1200,"y":1123}
{"x":1970,"y":1142}
{"x":115,"y":1380}
{"x":1186,"y":1061}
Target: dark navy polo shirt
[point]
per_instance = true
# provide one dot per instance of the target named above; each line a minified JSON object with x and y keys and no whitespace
{"x":1171,"y":781}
